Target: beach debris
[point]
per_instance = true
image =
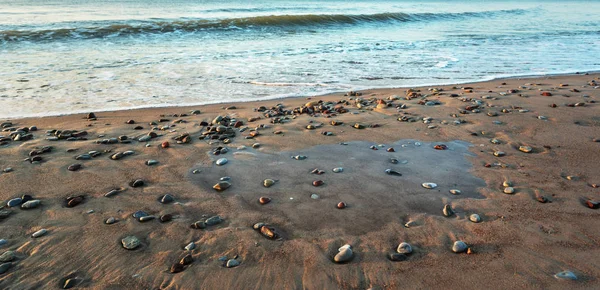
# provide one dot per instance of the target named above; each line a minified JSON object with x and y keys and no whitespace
{"x":429,"y":185}
{"x":344,"y":254}
{"x":459,"y":247}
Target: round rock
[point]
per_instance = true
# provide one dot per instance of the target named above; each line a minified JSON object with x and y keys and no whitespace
{"x":475,"y":218}
{"x":404,"y":248}
{"x":222,"y":161}
{"x":344,"y":255}
{"x":459,"y":247}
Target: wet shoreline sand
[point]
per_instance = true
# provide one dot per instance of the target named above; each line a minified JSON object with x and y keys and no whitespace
{"x":519,"y":242}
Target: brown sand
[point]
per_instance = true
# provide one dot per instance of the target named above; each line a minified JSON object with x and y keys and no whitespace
{"x":520,"y":243}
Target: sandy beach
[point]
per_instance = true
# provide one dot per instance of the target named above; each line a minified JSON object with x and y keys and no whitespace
{"x":522,"y":154}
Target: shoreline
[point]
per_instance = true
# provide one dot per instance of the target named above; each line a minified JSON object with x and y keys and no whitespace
{"x":522,"y":158}
{"x":271,"y":98}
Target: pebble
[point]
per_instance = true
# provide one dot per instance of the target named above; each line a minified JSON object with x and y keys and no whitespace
{"x":222,"y":161}
{"x":114,"y":192}
{"x":138,"y":214}
{"x":146,"y":218}
{"x":459,"y":247}
{"x":299,"y":157}
{"x":31,"y":204}
{"x":341,"y":205}
{"x":525,"y":149}
{"x":475,"y":218}
{"x":345,"y":254}
{"x":268,"y":182}
{"x":455,"y":191}
{"x":448,"y":212}
{"x":499,"y":153}
{"x":137,"y":183}
{"x":509,"y":190}
{"x":397,"y":257}
{"x":429,"y":185}
{"x":264,"y":200}
{"x":3,"y":242}
{"x":565,"y":275}
{"x":232,"y":263}
{"x":167,"y":198}
{"x":14,"y":202}
{"x":130,"y":242}
{"x":338,"y":169}
{"x":187,"y":260}
{"x":495,"y":141}
{"x":222,"y":185}
{"x":268,"y":232}
{"x":317,"y":183}
{"x":7,"y":256}
{"x":314,"y":196}
{"x":70,"y":283}
{"x":110,"y":221}
{"x":507,"y":183}
{"x":392,"y":172}
{"x":190,"y":246}
{"x":39,"y":233}
{"x":165,"y":218}
{"x":4,"y":267}
{"x":214,"y":220}
{"x":73,"y":201}
{"x":404,"y":248}
{"x":151,"y":162}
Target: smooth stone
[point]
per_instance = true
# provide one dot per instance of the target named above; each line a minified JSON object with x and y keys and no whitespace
{"x":130,"y":242}
{"x":151,"y":162}
{"x":565,"y":275}
{"x":137,"y":183}
{"x":404,"y":248}
{"x":264,"y":200}
{"x":3,"y":242}
{"x":70,"y":283}
{"x":74,"y":167}
{"x":338,"y":169}
{"x":258,"y":226}
{"x":74,"y":201}
{"x":144,"y":138}
{"x":7,"y":256}
{"x":509,"y":190}
{"x":429,"y":185}
{"x":448,"y":210}
{"x":165,"y":218}
{"x":110,"y":221}
{"x":459,"y":247}
{"x":455,"y":191}
{"x":222,"y":185}
{"x":222,"y":161}
{"x":392,"y":172}
{"x":526,"y":149}
{"x":146,"y":218}
{"x":346,"y":246}
{"x":341,"y":205}
{"x":269,"y":232}
{"x":167,"y":198}
{"x":475,"y":218}
{"x":190,"y":246}
{"x":187,"y":260}
{"x":31,"y":204}
{"x":199,"y":225}
{"x":4,"y":267}
{"x":214,"y":220}
{"x":397,"y":257}
{"x":14,"y":202}
{"x":268,"y":182}
{"x":225,"y":178}
{"x":314,"y":196}
{"x":499,"y":153}
{"x":507,"y":183}
{"x":232,"y":263}
{"x":26,"y":197}
{"x":344,"y":255}
{"x":39,"y":233}
{"x":138,"y":214}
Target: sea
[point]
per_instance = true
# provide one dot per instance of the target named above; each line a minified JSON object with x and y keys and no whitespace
{"x":71,"y":56}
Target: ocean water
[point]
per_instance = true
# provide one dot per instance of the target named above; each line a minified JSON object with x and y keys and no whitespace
{"x":67,"y":56}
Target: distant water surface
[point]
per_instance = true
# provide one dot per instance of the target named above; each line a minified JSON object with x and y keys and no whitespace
{"x":69,"y":56}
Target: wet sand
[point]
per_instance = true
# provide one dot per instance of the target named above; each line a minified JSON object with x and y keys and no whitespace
{"x":519,"y":243}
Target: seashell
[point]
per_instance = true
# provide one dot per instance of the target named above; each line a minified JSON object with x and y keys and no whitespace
{"x":429,"y":185}
{"x":222,"y":185}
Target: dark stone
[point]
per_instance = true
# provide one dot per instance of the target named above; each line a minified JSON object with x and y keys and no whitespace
{"x":74,"y":167}
{"x":167,"y":198}
{"x":396,"y":257}
{"x":74,"y":200}
{"x":176,"y":268}
{"x":166,"y":218}
{"x":138,"y":214}
{"x":137,"y":183}
{"x":187,"y":260}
